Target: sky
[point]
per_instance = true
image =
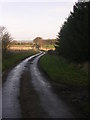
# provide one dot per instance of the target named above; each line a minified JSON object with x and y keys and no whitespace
{"x":26,"y":20}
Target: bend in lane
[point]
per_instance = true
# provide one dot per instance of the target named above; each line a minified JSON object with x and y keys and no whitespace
{"x":10,"y":91}
{"x":50,"y":102}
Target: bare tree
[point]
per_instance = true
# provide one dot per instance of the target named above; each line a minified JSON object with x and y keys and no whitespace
{"x":2,"y":31}
{"x":5,"y":38}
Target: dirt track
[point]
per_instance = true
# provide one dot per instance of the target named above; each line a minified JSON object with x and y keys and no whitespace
{"x":32,"y":95}
{"x":37,"y":97}
{"x":10,"y":92}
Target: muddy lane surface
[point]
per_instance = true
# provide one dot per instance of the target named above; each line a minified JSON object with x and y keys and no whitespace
{"x":10,"y":91}
{"x":50,"y":102}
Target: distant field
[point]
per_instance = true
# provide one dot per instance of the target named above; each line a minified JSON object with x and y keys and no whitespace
{"x":21,"y":45}
{"x":29,"y":47}
{"x":48,"y":47}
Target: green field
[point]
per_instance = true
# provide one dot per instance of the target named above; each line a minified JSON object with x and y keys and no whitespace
{"x":60,"y":71}
{"x":48,"y":46}
{"x":13,"y":57}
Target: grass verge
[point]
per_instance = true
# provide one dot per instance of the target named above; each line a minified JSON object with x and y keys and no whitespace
{"x":72,"y":81}
{"x":63,"y":72}
{"x":13,"y":57}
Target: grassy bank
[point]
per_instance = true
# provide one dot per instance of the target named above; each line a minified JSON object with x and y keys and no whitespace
{"x":13,"y":57}
{"x":71,"y":81}
{"x":63,"y":72}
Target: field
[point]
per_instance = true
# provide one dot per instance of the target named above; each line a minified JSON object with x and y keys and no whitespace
{"x":30,"y":47}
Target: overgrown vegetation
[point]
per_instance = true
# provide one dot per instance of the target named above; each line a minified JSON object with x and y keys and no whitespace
{"x":64,"y":72}
{"x":5,"y":38}
{"x":13,"y":57}
{"x":70,"y":80}
{"x":72,"y":41}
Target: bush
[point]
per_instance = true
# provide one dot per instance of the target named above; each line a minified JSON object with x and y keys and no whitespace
{"x":52,"y":52}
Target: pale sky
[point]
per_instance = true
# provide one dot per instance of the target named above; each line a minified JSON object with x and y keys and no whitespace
{"x":26,"y":20}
